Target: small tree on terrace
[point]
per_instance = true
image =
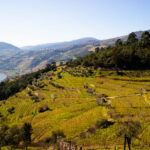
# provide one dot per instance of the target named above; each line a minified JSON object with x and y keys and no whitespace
{"x":26,"y":134}
{"x":129,"y":129}
{"x":3,"y":130}
{"x":13,"y":137}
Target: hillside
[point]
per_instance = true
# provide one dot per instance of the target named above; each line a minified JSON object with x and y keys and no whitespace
{"x":32,"y":60}
{"x":131,"y":54}
{"x":7,"y":49}
{"x":88,"y":107}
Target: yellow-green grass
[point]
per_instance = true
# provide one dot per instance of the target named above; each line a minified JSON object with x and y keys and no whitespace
{"x":74,"y":110}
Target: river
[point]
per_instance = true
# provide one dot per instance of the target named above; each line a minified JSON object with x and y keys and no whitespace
{"x":2,"y":76}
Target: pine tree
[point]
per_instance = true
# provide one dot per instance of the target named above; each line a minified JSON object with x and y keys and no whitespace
{"x":145,"y":38}
{"x":132,"y":38}
{"x":118,"y":42}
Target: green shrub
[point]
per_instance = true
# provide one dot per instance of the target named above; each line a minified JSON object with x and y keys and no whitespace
{"x":104,"y":123}
{"x":11,"y":110}
{"x":92,"y":130}
{"x":43,"y":108}
{"x":83,"y":135}
{"x":30,"y":93}
{"x":55,"y":134}
{"x":35,"y":98}
{"x":47,"y":139}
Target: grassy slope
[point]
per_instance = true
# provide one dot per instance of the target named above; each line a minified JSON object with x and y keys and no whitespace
{"x":74,"y":111}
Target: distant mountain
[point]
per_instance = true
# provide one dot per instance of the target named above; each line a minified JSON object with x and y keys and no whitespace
{"x":111,"y":42}
{"x":15,"y":61}
{"x":7,"y":49}
{"x":36,"y":57}
{"x":59,"y":44}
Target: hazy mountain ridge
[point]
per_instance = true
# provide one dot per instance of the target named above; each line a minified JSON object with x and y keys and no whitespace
{"x":31,"y":60}
{"x":59,"y":44}
{"x":6,"y":49}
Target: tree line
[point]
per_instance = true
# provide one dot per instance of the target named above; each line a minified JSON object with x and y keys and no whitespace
{"x":131,"y":54}
{"x":13,"y":136}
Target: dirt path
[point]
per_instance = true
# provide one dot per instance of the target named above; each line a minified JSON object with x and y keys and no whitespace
{"x":145,"y":99}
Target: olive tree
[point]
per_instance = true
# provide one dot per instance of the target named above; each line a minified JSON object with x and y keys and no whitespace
{"x":129,"y":129}
{"x":26,"y":134}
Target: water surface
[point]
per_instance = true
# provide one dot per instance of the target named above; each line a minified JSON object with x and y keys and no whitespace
{"x":2,"y":77}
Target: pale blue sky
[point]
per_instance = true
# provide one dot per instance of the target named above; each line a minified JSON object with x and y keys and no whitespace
{"x":29,"y":22}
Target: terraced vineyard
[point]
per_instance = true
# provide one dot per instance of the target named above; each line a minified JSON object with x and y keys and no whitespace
{"x":77,"y":104}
